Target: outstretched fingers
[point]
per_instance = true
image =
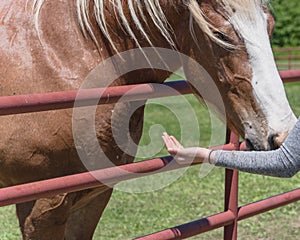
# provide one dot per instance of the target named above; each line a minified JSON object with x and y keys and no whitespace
{"x":175,"y":142}
{"x":167,"y":140}
{"x":171,"y":142}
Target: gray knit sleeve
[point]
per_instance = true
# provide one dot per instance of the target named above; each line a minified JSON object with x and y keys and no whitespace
{"x":283,"y":162}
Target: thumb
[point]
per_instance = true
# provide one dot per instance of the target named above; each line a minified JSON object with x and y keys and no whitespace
{"x":172,"y":151}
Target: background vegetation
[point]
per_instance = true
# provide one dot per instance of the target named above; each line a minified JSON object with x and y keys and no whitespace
{"x":287,"y":28}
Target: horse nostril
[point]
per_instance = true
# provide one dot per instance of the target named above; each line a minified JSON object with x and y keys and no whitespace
{"x":249,"y":144}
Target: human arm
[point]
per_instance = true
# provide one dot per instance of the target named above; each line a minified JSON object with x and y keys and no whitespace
{"x":283,"y":162}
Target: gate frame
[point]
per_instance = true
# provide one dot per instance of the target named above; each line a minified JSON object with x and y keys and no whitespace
{"x":227,"y":219}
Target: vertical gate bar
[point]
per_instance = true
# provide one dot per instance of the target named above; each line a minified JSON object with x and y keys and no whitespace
{"x":231,"y":202}
{"x":289,"y":59}
{"x":231,"y":193}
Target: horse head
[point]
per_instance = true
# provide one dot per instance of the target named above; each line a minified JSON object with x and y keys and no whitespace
{"x":237,"y":54}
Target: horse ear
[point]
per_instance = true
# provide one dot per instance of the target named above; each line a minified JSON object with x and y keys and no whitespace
{"x":271,"y":25}
{"x":270,"y":21}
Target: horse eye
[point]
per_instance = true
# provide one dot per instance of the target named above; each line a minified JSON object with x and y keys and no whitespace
{"x":221,"y":36}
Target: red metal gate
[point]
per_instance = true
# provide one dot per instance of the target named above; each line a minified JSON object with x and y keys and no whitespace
{"x":227,"y":219}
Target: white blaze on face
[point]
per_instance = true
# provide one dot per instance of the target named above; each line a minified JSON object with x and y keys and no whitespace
{"x":267,"y":85}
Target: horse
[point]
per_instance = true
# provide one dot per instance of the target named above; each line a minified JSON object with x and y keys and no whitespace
{"x":51,"y":45}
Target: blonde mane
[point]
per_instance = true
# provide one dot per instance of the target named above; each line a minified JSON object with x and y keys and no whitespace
{"x":246,"y":7}
{"x":138,"y":8}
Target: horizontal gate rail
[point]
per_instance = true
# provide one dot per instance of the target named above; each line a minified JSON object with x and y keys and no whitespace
{"x":287,"y":58}
{"x":76,"y":182}
{"x":290,"y":76}
{"x":62,"y":100}
{"x":72,"y":183}
{"x":268,"y":204}
{"x":225,"y":218}
{"x":86,"y":97}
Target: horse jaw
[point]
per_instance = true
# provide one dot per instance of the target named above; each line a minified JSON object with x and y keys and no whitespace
{"x":267,"y":86}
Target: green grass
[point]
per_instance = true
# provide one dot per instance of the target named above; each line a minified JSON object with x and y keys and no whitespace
{"x":190,"y":197}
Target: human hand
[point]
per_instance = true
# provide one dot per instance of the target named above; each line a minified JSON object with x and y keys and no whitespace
{"x":184,"y":155}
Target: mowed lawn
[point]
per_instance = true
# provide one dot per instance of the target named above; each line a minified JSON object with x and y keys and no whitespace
{"x":193,"y":195}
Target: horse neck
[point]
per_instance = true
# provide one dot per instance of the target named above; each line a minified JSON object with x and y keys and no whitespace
{"x":118,"y":40}
{"x":76,"y":55}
